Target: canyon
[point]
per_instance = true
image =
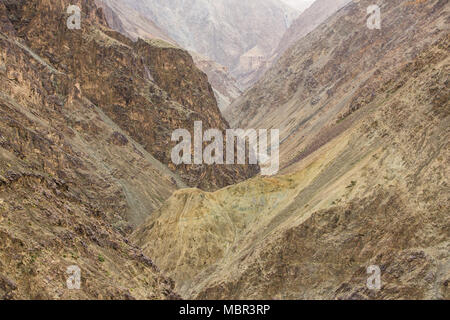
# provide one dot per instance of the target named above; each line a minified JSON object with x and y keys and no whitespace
{"x":220,"y":29}
{"x":212,"y":31}
{"x":70,"y":101}
{"x":87,"y":179}
{"x":353,"y":106}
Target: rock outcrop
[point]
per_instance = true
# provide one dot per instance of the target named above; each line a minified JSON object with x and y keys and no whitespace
{"x":225,"y":87}
{"x":221,"y":30}
{"x":126,"y":20}
{"x":85,"y":139}
{"x":311,"y":18}
{"x":310,"y":93}
{"x":308,"y":20}
{"x":86,"y":178}
{"x":148,"y":88}
{"x":73,"y":183}
{"x":366,"y":155}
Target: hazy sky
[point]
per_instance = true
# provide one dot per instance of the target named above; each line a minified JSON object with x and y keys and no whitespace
{"x":299,"y":4}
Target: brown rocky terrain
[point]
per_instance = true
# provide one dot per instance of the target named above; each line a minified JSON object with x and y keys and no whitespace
{"x":325,"y":77}
{"x":68,"y":195}
{"x":225,"y":87}
{"x":221,"y":30}
{"x":130,"y":22}
{"x":308,"y":20}
{"x":86,"y":180}
{"x":365,"y":117}
{"x":148,"y":88}
{"x":87,"y":117}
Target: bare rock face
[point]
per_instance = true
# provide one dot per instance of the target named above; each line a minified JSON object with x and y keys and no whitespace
{"x":68,"y":194}
{"x":87,"y":117}
{"x":321,"y":81}
{"x":308,"y":20}
{"x":226,"y":88}
{"x":230,"y":42}
{"x":129,"y":22}
{"x":126,"y":20}
{"x":366,"y":155}
{"x":221,"y":30}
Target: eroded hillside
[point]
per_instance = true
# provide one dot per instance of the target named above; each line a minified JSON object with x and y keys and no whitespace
{"x":221,"y":30}
{"x":148,"y":88}
{"x":308,"y":20}
{"x":130,"y":22}
{"x":374,"y":191}
{"x":85,"y":139}
{"x":68,"y":194}
{"x":86,"y":178}
{"x":225,"y":87}
{"x":312,"y":92}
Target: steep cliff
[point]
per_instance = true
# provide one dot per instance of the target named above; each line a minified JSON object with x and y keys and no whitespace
{"x":308,"y":20}
{"x":87,"y":117}
{"x":68,"y":194}
{"x":366,"y":178}
{"x":128,"y":21}
{"x":148,"y":88}
{"x":221,"y":30}
{"x":225,"y":87}
{"x":310,"y":93}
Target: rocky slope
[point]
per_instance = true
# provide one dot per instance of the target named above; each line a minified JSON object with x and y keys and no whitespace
{"x":130,"y":22}
{"x":148,"y":88}
{"x":300,"y":5}
{"x":222,"y":30}
{"x":87,"y":117}
{"x":324,"y":78}
{"x":226,"y":88}
{"x":309,"y":19}
{"x":68,"y":195}
{"x":83,"y":161}
{"x":365,"y":117}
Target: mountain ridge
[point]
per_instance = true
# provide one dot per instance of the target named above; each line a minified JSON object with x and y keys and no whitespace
{"x":350,"y":194}
{"x":86,"y":180}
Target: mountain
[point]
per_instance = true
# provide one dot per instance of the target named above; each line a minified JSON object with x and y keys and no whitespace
{"x":308,"y":20}
{"x":226,"y":88}
{"x":130,"y":22}
{"x":326,"y":76}
{"x":364,"y":118}
{"x":68,"y":194}
{"x":86,"y":179}
{"x":236,"y":34}
{"x":153,"y":91}
{"x":85,"y":139}
{"x":300,"y":5}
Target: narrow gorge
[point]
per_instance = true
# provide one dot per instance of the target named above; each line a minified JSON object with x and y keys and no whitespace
{"x":88,"y":179}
